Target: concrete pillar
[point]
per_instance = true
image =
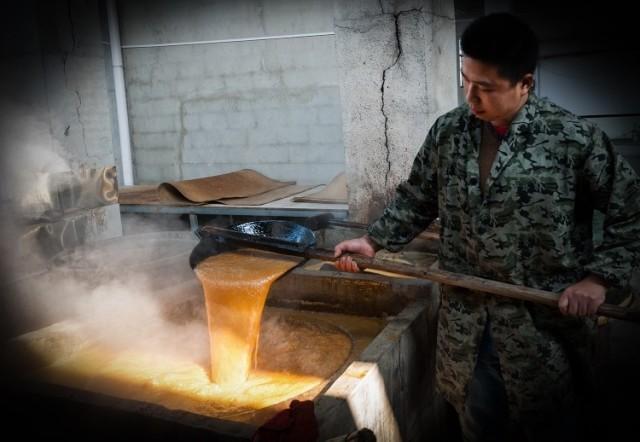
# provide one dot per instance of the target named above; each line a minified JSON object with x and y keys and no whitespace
{"x":397,"y":62}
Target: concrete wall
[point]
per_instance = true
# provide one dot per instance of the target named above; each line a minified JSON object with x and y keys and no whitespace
{"x":206,"y":109}
{"x":55,"y":95}
{"x":397,"y":74}
{"x":57,"y":116}
{"x":55,"y":83}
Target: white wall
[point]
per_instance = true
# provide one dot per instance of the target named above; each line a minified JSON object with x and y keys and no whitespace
{"x":55,"y":83}
{"x":56,"y":116}
{"x":205,"y":109}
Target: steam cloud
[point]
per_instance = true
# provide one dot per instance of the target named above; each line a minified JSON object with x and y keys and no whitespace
{"x":29,"y":156}
{"x":113,"y":304}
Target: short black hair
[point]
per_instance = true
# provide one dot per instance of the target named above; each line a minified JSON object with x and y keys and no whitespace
{"x":504,"y":41}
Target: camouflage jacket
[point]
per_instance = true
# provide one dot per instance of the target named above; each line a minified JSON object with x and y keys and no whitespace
{"x":533,"y":227}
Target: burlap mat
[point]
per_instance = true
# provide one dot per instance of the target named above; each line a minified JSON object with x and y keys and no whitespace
{"x":334,"y":193}
{"x":244,"y":187}
{"x":266,"y":197}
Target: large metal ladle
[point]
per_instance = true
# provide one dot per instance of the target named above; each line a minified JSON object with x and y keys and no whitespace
{"x":290,"y":238}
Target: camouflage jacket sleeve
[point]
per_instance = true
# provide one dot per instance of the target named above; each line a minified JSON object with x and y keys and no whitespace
{"x":615,"y":189}
{"x":415,"y":204}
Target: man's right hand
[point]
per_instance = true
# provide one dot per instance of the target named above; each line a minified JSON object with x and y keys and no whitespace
{"x":363,"y":246}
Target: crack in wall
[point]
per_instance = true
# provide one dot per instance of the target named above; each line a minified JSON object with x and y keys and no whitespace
{"x":65,"y":58}
{"x":78,"y":106}
{"x":65,"y":54}
{"x":399,"y":53}
{"x":386,"y":117}
{"x":73,"y":29}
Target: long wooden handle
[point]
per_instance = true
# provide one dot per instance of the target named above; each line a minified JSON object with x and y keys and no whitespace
{"x":441,"y":276}
{"x":473,"y":283}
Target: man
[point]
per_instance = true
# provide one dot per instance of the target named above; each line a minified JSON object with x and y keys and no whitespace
{"x":514,"y":180}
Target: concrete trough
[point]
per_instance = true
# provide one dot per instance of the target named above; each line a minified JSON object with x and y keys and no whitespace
{"x":386,"y":383}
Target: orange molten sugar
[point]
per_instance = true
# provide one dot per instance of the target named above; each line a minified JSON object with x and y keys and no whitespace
{"x":299,"y":350}
{"x":236,"y":287}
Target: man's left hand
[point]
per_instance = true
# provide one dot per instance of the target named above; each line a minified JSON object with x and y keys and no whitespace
{"x":584,"y":297}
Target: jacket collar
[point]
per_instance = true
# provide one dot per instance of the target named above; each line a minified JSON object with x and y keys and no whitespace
{"x":526,"y":117}
{"x":522,"y":122}
{"x":516,"y":139}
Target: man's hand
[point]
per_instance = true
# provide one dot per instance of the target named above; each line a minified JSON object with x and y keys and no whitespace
{"x":363,"y":246}
{"x":584,"y":297}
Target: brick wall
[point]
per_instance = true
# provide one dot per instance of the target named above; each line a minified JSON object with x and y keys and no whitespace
{"x":268,"y":105}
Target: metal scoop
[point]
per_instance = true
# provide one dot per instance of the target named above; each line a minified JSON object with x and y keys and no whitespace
{"x":290,"y":238}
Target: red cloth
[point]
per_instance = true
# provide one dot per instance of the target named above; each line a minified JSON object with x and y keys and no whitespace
{"x":501,"y":130}
{"x":295,"y":424}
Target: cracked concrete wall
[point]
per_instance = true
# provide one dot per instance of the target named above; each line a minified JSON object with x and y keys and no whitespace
{"x":55,"y":69}
{"x":205,"y":109}
{"x":57,"y":116}
{"x":397,"y":65}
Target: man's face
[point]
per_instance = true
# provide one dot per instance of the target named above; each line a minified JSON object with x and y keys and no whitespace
{"x":491,"y":97}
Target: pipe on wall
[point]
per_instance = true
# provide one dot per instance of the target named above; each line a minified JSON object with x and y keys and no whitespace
{"x":121,"y":97}
{"x":228,"y":40}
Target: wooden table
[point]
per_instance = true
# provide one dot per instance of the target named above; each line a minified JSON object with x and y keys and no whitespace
{"x":284,"y":207}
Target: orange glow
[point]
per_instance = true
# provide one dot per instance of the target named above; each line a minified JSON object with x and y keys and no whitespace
{"x":299,"y":351}
{"x":235,"y":287}
{"x":173,"y":383}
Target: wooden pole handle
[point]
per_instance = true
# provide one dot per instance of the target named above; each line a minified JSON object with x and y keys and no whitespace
{"x":479,"y":284}
{"x":436,"y":275}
